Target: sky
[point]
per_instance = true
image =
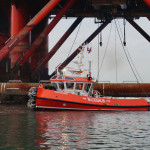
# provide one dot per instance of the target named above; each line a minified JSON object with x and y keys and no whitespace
{"x":115,"y":67}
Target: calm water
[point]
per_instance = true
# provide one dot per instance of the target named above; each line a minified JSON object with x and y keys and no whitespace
{"x":22,"y":129}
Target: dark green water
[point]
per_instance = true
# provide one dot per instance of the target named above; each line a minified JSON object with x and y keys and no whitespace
{"x":22,"y":129}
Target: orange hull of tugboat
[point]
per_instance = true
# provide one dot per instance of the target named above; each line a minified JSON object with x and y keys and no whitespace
{"x":75,"y":93}
{"x":49,"y":99}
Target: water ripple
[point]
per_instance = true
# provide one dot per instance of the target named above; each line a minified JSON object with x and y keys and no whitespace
{"x":73,"y":130}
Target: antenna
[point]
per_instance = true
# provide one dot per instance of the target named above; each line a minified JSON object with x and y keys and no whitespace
{"x":90,"y":66}
{"x":124,"y":40}
{"x":89,"y":75}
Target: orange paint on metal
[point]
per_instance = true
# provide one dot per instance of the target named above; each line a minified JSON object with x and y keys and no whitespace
{"x":46,"y":98}
{"x":72,"y":79}
{"x":15,"y":40}
{"x":42,"y":50}
{"x":59,"y":43}
{"x":46,"y":31}
{"x":147,"y":2}
{"x":19,"y":18}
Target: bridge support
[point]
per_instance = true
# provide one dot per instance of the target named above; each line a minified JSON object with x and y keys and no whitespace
{"x":41,"y":51}
{"x":16,"y":39}
{"x":5,"y":63}
{"x":19,"y":18}
{"x":147,"y":2}
{"x":18,"y":92}
{"x":139,"y":29}
{"x":59,"y":43}
{"x":39,"y":40}
{"x":45,"y":33}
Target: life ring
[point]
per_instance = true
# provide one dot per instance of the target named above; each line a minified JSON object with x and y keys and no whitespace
{"x":95,"y":93}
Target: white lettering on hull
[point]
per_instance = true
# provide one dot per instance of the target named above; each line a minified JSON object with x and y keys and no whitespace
{"x":101,"y":100}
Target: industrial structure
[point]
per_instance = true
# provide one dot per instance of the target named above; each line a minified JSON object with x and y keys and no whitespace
{"x":24,"y":31}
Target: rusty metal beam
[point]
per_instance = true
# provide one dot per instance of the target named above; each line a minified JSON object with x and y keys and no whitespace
{"x":14,"y":88}
{"x":106,"y":89}
{"x":139,"y":29}
{"x":147,"y":2}
{"x":43,"y":35}
{"x":77,"y":51}
{"x":59,"y":43}
{"x":123,"y":89}
{"x":16,"y":39}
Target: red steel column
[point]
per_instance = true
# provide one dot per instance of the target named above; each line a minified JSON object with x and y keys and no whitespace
{"x":42,"y":49}
{"x":56,"y":47}
{"x":31,"y":24}
{"x":147,"y":2}
{"x":46,"y":31}
{"x":59,"y":43}
{"x":19,"y":18}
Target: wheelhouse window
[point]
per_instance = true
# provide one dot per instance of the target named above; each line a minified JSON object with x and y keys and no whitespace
{"x":61,"y":85}
{"x":54,"y":77}
{"x":54,"y":84}
{"x":68,"y":78}
{"x":69,"y":85}
{"x":79,"y":86}
{"x":60,"y":77}
{"x":87,"y":87}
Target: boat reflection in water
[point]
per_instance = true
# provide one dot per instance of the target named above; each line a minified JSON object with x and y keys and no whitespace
{"x":92,"y":130}
{"x":21,"y":128}
{"x":63,"y":129}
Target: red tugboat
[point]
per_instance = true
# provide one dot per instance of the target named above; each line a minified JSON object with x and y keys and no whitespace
{"x":75,"y":93}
